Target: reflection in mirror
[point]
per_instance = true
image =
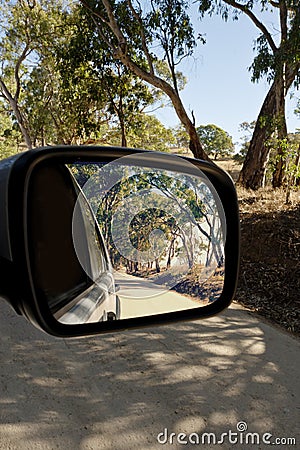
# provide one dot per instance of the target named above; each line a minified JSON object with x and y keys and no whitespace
{"x":155,"y":240}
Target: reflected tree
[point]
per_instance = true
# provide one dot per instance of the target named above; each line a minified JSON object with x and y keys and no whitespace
{"x":177,"y":218}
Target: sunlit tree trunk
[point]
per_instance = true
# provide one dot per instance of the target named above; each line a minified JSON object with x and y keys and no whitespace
{"x":17,"y":113}
{"x":270,"y":118}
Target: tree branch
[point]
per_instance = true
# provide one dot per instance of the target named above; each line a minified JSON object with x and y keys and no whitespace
{"x":4,"y":90}
{"x":151,"y":110}
{"x":274,"y":4}
{"x":121,"y":54}
{"x":102,"y":35}
{"x":255,"y":20}
{"x":21,"y":58}
{"x":93,"y":12}
{"x":114,"y":26}
{"x":143,"y":37}
{"x":283,"y":21}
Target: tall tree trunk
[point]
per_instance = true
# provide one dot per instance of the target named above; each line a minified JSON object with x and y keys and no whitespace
{"x":253,"y":171}
{"x":252,"y":175}
{"x":157,"y":266}
{"x":170,"y":252}
{"x":278,"y":175}
{"x":123,"y":133}
{"x":280,"y":168}
{"x":18,"y":114}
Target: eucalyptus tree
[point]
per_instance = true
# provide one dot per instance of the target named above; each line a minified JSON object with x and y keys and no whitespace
{"x":278,"y":59}
{"x":10,"y":135}
{"x":140,"y":35}
{"x":47,"y":109}
{"x":59,"y":113}
{"x":149,"y":133}
{"x":17,"y":43}
{"x":27,"y":27}
{"x":153,"y":216}
{"x":216,"y":141}
{"x":199,"y":227}
{"x":85,"y":57}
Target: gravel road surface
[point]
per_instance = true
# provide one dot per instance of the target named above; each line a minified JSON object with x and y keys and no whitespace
{"x":121,"y":391}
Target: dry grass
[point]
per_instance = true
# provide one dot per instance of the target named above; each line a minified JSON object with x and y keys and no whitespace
{"x":230,"y":166}
{"x":266,"y":199}
{"x":269,"y":281}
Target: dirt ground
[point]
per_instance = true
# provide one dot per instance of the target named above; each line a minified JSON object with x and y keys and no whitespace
{"x":269,"y":280}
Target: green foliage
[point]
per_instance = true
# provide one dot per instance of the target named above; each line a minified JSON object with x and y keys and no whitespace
{"x":289,"y":152}
{"x":86,"y":57}
{"x":182,"y":139}
{"x":59,"y":112}
{"x":10,"y":136}
{"x":278,"y":60}
{"x":30,"y":33}
{"x":248,"y":128}
{"x":171,"y":26}
{"x":215,"y":141}
{"x":264,"y":61}
{"x":67,"y":86}
{"x":139,"y":34}
{"x":269,"y":58}
{"x":149,"y":133}
{"x":172,"y":32}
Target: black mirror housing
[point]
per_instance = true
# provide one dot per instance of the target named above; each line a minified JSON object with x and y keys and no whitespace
{"x":41,"y":271}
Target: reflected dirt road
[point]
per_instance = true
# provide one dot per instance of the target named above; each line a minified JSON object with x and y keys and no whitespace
{"x":141,"y":297}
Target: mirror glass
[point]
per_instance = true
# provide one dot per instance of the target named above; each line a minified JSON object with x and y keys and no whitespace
{"x":158,"y":242}
{"x":148,"y":235}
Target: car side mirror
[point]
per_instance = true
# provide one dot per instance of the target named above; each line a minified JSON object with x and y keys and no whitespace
{"x":100,"y":239}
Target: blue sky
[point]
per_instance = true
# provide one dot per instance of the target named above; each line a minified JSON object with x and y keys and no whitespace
{"x":219,"y":89}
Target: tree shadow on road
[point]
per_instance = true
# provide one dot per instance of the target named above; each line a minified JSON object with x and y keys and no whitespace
{"x":120,"y":391}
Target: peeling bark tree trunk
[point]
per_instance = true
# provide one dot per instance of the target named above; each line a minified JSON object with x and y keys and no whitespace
{"x":18,"y":114}
{"x":253,"y":171}
{"x":252,"y":175}
{"x":279,"y":173}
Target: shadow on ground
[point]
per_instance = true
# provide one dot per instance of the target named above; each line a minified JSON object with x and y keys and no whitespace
{"x":120,"y":391}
